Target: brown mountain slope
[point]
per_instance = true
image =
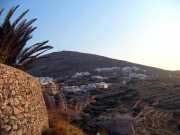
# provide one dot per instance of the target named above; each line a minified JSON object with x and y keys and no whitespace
{"x":63,"y":63}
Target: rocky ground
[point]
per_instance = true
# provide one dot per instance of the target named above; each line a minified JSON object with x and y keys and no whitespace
{"x":125,"y":106}
{"x":117,"y":97}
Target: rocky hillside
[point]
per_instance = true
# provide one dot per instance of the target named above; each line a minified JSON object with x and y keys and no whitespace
{"x":67,"y":63}
{"x":112,"y":95}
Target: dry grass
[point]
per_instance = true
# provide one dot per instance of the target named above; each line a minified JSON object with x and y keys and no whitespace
{"x":155,"y":122}
{"x":59,"y":126}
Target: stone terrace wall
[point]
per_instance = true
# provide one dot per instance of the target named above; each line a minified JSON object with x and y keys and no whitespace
{"x":22,"y":107}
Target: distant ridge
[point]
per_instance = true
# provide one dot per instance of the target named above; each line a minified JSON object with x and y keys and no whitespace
{"x":62,"y":63}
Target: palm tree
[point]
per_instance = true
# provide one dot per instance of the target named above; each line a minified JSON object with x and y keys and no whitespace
{"x":13,"y":41}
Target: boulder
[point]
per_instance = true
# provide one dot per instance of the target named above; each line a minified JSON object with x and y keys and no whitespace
{"x":22,"y":107}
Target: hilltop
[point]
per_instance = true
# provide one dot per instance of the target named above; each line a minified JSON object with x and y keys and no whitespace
{"x":66,"y":63}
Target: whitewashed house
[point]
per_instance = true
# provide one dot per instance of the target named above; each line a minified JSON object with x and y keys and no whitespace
{"x":107,"y":69}
{"x":80,"y":74}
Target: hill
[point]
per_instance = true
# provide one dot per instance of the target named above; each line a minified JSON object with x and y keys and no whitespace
{"x":67,"y":63}
{"x":104,"y":93}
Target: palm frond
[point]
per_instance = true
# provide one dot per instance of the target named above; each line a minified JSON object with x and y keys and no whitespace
{"x":1,"y":11}
{"x":19,"y":18}
{"x":10,"y":14}
{"x":13,"y":40}
{"x":33,"y":51}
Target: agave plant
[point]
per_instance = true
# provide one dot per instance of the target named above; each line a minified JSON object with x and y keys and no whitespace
{"x":14,"y":35}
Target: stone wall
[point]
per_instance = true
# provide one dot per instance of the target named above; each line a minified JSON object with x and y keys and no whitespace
{"x":22,"y":107}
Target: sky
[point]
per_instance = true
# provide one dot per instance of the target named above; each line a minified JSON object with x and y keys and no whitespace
{"x":140,"y":31}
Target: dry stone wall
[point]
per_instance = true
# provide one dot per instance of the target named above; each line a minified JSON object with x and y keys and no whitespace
{"x":22,"y":107}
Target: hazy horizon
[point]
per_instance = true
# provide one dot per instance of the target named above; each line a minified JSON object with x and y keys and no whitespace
{"x":139,"y":31}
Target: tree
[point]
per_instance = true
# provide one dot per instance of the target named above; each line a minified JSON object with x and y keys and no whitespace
{"x":13,"y":41}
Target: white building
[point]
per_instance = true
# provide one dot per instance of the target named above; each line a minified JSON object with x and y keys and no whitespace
{"x":137,"y":76}
{"x":45,"y":80}
{"x":88,"y":87}
{"x":80,"y":74}
{"x":107,"y":69}
{"x":98,"y":77}
{"x":72,"y":88}
{"x":102,"y":85}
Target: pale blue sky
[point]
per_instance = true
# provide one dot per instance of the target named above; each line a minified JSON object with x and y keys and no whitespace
{"x":140,"y":31}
